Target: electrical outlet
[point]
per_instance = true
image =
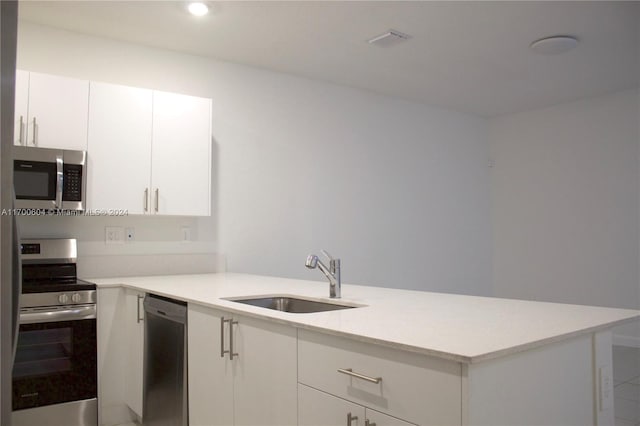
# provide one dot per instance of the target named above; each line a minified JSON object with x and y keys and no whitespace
{"x":114,"y":235}
{"x":129,"y":235}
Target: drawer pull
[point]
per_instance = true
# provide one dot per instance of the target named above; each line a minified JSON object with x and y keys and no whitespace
{"x":222,"y":349}
{"x":351,"y":418}
{"x":350,"y":372}
{"x":368,"y":423}
{"x":139,"y":318}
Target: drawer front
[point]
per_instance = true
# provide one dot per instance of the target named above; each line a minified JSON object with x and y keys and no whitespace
{"x":420,"y":389}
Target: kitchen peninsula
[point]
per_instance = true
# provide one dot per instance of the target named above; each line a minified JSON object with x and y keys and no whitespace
{"x":418,"y":357}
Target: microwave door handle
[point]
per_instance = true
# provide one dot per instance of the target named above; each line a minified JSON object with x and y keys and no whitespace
{"x":59,"y":180}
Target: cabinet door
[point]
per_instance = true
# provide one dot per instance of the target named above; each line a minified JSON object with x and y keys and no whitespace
{"x":119,"y":160}
{"x":376,"y":418}
{"x":181,"y":155}
{"x":58,"y":112}
{"x":112,"y":342}
{"x":21,"y":108}
{"x":134,"y":326}
{"x":265,"y":373}
{"x":316,"y":408}
{"x":210,"y":375}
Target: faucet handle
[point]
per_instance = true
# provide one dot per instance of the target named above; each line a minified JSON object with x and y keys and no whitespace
{"x":327,"y":255}
{"x":333,"y":262}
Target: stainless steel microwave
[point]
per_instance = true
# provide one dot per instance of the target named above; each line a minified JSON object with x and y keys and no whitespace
{"x":50,"y":179}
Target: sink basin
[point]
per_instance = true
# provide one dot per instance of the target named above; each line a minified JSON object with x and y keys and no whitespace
{"x":291,"y":304}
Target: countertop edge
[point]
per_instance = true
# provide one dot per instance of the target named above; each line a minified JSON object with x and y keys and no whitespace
{"x":465,"y":359}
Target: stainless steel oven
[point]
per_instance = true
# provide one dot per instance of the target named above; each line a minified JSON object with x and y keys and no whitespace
{"x":49,"y":179}
{"x":55,"y":369}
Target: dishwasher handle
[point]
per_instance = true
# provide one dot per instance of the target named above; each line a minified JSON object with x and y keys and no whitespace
{"x":170,"y":309}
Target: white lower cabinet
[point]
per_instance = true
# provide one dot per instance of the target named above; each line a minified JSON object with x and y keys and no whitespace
{"x":416,"y":388}
{"x":120,"y":345}
{"x":317,"y":408}
{"x":242,"y":371}
{"x":134,"y":328}
{"x":210,"y":378}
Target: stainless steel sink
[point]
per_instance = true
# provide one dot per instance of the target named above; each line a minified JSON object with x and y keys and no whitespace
{"x":291,"y":304}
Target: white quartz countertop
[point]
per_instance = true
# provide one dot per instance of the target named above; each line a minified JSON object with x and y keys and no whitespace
{"x":467,"y":329}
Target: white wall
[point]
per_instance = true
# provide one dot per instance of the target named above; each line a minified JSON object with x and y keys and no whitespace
{"x":398,"y":190}
{"x":565,"y":199}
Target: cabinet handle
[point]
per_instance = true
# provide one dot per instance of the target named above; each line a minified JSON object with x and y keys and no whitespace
{"x":21,"y":131}
{"x":157,"y":198}
{"x":351,"y":418}
{"x":368,"y":423}
{"x":231,"y":352}
{"x":222,"y":322}
{"x":139,"y":319}
{"x":146,"y":199}
{"x":350,"y":372}
{"x":35,"y":131}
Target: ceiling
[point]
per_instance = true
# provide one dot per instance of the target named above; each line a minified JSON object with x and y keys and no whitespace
{"x":467,"y":56}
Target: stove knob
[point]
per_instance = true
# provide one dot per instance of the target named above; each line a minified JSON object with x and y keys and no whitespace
{"x":76,"y":298}
{"x":63,"y":298}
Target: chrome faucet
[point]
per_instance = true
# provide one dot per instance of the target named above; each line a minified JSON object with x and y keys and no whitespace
{"x":332,"y":272}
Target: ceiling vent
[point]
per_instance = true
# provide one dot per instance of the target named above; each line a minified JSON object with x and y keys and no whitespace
{"x":390,"y":38}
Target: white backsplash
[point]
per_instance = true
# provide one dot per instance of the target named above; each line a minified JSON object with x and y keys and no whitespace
{"x":148,"y":265}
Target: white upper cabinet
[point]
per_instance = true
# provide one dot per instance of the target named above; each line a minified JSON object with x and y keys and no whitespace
{"x":119,"y":160}
{"x":181,"y":155}
{"x":149,"y":152}
{"x":57,"y":111}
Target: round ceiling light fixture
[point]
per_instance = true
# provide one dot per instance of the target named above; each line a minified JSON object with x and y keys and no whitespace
{"x":554,"y":44}
{"x":198,"y":8}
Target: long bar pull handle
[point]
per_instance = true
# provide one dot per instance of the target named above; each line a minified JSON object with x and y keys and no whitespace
{"x":139,"y":318}
{"x":222,"y":322}
{"x":351,"y":418}
{"x":146,"y":199}
{"x":21,"y":131}
{"x":231,"y":350}
{"x":35,"y":132}
{"x":350,"y":372}
{"x":368,"y":423}
{"x":157,"y":199}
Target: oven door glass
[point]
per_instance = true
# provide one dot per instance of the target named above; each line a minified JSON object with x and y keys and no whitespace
{"x":35,"y":180}
{"x":55,"y":362}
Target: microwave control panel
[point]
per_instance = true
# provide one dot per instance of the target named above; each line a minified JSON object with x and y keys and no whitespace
{"x":72,"y":190}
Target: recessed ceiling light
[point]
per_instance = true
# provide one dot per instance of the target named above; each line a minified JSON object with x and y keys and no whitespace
{"x":198,"y":9}
{"x":554,"y":45}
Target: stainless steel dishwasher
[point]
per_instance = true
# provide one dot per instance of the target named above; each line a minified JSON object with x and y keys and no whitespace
{"x":165,"y":395}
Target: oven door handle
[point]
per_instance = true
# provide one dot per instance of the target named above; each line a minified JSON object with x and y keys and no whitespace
{"x":67,"y":313}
